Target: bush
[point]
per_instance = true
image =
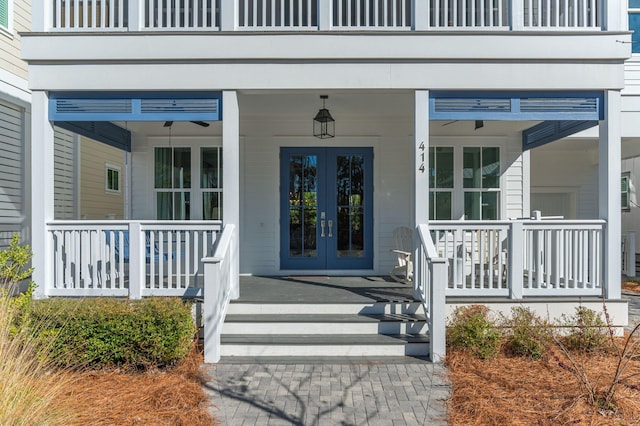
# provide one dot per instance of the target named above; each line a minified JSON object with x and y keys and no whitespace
{"x":107,"y":332}
{"x":527,"y":334}
{"x":588,"y":332}
{"x":471,"y":330}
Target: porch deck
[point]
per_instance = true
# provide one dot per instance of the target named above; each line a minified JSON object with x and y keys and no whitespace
{"x":323,"y":289}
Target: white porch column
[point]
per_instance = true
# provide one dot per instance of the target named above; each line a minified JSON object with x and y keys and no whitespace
{"x":228,"y":16}
{"x":135,"y":15}
{"x":231,"y":178}
{"x":420,"y":13}
{"x":42,"y":204}
{"x":609,"y":199}
{"x":420,"y":170}
{"x":325,"y":15}
{"x":40,"y":15}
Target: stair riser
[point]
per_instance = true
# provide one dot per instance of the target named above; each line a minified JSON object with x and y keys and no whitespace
{"x":411,"y":349}
{"x":324,"y":328}
{"x":329,"y":308}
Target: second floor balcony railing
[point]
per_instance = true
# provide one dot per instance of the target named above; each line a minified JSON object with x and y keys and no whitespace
{"x":343,"y":15}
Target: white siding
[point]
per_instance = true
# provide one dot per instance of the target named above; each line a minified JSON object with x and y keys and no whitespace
{"x":12,"y":160}
{"x":575,"y":172}
{"x":10,"y":46}
{"x":64,"y":181}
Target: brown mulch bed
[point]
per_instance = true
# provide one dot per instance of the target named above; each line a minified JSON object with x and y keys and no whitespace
{"x":631,"y":286}
{"x":519,"y":391}
{"x":162,"y":397}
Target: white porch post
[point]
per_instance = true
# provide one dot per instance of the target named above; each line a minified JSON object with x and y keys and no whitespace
{"x":609,"y":198}
{"x":40,"y":15}
{"x":135,"y":15}
{"x":231,"y":179}
{"x":228,"y":17}
{"x":517,"y":15}
{"x":42,"y":204}
{"x":325,"y":15}
{"x":420,"y":170}
{"x":420,"y":13}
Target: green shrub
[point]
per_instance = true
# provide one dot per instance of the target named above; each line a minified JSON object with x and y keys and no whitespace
{"x":527,"y":334}
{"x":587,"y":331}
{"x":470,"y":329}
{"x":109,"y":332}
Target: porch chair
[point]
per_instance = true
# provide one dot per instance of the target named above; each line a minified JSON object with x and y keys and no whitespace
{"x":156,"y":257}
{"x":403,"y":238}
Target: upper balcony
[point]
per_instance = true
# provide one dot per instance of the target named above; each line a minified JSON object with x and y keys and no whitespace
{"x":325,"y":15}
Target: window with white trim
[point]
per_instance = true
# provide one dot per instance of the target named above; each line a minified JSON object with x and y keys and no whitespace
{"x":6,"y":17}
{"x":626,"y":192}
{"x":112,"y":178}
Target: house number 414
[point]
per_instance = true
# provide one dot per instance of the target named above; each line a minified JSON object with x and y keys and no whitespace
{"x":421,"y":148}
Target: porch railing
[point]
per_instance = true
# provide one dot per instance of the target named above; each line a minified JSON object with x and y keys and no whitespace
{"x":129,"y":258}
{"x":343,"y":15}
{"x":521,"y":258}
{"x":218,"y":289}
{"x":429,"y":278}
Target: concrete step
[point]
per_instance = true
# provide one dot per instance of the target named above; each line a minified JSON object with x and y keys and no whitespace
{"x":245,"y":308}
{"x":319,"y":345}
{"x":325,"y":324}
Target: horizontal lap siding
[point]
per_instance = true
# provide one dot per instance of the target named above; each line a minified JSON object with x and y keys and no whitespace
{"x":515,"y":180}
{"x":96,"y":202}
{"x":11,"y":171}
{"x":64,"y":174}
{"x":10,"y":46}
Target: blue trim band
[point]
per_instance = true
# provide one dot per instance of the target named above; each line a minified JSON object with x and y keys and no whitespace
{"x":100,"y":131}
{"x":550,"y":131}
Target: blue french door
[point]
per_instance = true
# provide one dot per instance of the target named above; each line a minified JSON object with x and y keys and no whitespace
{"x":326,"y":204}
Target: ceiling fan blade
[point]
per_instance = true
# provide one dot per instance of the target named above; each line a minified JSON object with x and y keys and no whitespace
{"x":201,"y":123}
{"x":168,"y":123}
{"x":450,"y":122}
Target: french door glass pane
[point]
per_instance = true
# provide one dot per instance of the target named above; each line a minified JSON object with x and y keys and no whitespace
{"x":472,"y":177}
{"x":182,"y":168}
{"x":303,"y":205}
{"x":212,"y":206}
{"x":440,"y":205}
{"x":481,"y":205}
{"x":173,"y":205}
{"x":490,"y":167}
{"x":162,"y":168}
{"x":441,"y":167}
{"x":350,"y":187}
{"x":211,"y":168}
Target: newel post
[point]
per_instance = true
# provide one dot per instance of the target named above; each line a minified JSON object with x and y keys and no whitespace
{"x":211,"y":308}
{"x":515,"y":261}
{"x":437,"y":308}
{"x":137,"y":261}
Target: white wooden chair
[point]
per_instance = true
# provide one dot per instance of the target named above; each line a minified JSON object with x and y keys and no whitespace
{"x":403,"y":238}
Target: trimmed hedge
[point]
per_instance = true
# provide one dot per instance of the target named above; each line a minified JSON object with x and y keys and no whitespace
{"x":105,"y":332}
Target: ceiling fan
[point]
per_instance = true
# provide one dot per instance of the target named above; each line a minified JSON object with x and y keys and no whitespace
{"x":478,"y":124}
{"x":199,"y":123}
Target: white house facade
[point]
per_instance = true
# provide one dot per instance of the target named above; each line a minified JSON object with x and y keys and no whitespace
{"x":440,"y":108}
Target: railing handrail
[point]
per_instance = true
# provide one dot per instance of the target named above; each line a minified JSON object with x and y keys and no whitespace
{"x":221,"y":246}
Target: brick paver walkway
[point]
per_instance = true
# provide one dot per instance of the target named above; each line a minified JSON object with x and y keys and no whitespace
{"x":329,"y":394}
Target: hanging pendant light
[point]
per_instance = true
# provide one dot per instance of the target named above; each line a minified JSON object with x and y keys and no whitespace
{"x":324,"y":126}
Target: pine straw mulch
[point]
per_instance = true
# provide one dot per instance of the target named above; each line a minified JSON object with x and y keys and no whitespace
{"x":173,"y":396}
{"x":631,"y":286}
{"x":519,"y":391}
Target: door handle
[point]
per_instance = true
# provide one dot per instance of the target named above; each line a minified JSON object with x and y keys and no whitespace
{"x":330,"y":228}
{"x":322,"y":228}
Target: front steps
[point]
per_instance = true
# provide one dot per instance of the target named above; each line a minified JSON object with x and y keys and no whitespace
{"x":362,"y":329}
